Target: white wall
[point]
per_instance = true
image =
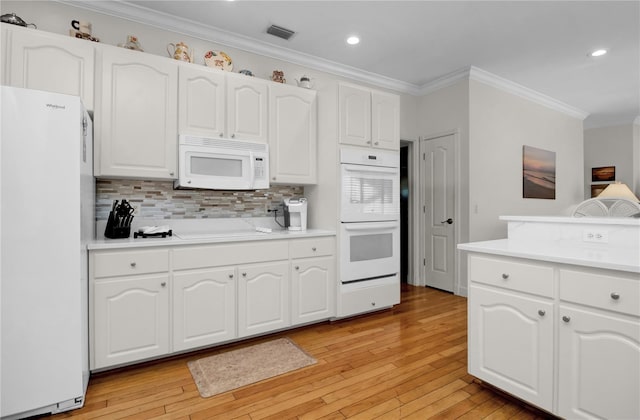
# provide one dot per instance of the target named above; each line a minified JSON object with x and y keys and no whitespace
{"x":500,"y":125}
{"x":610,"y":146}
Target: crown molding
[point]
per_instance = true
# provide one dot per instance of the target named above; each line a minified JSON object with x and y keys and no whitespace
{"x":508,"y":86}
{"x":128,"y":11}
{"x":172,"y":23}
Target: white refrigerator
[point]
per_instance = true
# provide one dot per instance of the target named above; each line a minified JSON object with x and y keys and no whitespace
{"x":46,"y":220}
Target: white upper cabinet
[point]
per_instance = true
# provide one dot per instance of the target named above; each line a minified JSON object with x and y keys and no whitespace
{"x":385,"y":120}
{"x":50,"y":62}
{"x":201,"y":102}
{"x":246,"y":108}
{"x":136,"y":115}
{"x":292,"y":135}
{"x":368,"y":117}
{"x":355,"y":115}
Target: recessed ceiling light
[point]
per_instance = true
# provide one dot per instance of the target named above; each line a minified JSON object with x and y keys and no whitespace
{"x":598,"y":53}
{"x":353,"y":40}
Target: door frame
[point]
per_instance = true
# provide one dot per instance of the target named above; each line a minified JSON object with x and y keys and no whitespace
{"x":419,"y":242}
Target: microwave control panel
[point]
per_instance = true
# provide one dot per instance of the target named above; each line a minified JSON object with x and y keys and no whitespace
{"x":258,"y":171}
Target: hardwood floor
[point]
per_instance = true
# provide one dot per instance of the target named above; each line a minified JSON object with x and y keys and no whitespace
{"x":408,"y":362}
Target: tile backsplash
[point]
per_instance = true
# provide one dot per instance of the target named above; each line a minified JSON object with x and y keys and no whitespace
{"x":158,"y":200}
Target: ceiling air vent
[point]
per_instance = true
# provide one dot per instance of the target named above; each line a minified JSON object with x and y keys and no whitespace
{"x":280,"y":32}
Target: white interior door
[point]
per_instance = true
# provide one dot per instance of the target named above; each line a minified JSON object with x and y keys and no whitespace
{"x":438,"y":180}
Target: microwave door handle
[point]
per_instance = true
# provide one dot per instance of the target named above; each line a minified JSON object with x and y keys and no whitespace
{"x":252,"y":169}
{"x":377,"y":225}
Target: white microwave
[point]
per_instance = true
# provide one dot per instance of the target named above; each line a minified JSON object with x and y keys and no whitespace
{"x":221,"y":164}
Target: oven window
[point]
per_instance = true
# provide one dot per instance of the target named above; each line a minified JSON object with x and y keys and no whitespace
{"x":370,"y":247}
{"x":216,"y":167}
{"x":376,"y":191}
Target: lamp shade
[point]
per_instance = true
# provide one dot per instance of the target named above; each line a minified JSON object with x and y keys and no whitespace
{"x":618,"y":190}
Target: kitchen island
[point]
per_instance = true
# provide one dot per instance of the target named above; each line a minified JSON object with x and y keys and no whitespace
{"x":210,"y":283}
{"x":554,"y":314}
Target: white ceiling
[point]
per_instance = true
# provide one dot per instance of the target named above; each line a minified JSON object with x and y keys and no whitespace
{"x":408,"y":45}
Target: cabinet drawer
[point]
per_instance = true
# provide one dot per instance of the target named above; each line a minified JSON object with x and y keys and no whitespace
{"x":604,"y":291}
{"x":367,"y":296}
{"x":185,"y":258}
{"x":126,"y":263}
{"x":512,"y":274}
{"x":313,"y":247}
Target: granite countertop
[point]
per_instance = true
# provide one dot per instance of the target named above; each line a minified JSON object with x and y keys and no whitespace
{"x":202,"y":232}
{"x":623,"y":259}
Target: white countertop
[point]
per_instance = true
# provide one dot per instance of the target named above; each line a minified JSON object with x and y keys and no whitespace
{"x":206,"y":238}
{"x":626,"y":221}
{"x":595,"y":255}
{"x":204,"y":231}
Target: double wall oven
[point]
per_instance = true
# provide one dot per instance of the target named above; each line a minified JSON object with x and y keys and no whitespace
{"x":369,"y":225}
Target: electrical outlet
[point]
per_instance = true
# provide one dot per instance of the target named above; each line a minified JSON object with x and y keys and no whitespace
{"x":598,"y":236}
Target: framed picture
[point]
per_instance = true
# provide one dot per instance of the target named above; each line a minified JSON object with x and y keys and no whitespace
{"x":604,"y":173}
{"x":596,"y":189}
{"x":538,"y":173}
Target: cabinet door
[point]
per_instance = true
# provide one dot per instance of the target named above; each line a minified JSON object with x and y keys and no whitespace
{"x":246,"y":108}
{"x":313,"y":289}
{"x":511,"y":343}
{"x":292,"y":135}
{"x":201,"y":104}
{"x":204,"y":310}
{"x":131,"y":320}
{"x":385,"y":120}
{"x":52,"y":63}
{"x":263,"y":298}
{"x":354,"y":110}
{"x":599,"y":365}
{"x":136,"y":115}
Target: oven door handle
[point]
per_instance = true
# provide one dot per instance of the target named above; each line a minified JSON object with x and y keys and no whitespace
{"x":370,"y":226}
{"x":370,"y":170}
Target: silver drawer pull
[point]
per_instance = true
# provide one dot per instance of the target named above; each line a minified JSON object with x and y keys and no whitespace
{"x":615,"y":295}
{"x":230,"y":276}
{"x":163,"y":284}
{"x":133,"y":264}
{"x":297,"y":267}
{"x":373,"y":304}
{"x":313,"y":249}
{"x":541,"y":312}
{"x":244,"y":274}
{"x":505,"y":276}
{"x":566,"y":318}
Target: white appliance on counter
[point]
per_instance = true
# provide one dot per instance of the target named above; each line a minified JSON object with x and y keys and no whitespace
{"x":369,"y":233}
{"x":46,"y":221}
{"x":222,"y":164}
{"x":295,"y":212}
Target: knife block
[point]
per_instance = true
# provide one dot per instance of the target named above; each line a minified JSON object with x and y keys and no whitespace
{"x":114,"y":230}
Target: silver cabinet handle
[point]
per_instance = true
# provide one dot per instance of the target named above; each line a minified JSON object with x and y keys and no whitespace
{"x":505,"y":276}
{"x":541,"y":312}
{"x":221,"y":134}
{"x":170,"y":173}
{"x":376,"y":143}
{"x":163,"y":284}
{"x":230,"y":276}
{"x":369,"y":142}
{"x":233,"y":136}
{"x":313,"y":249}
{"x":297,"y":267}
{"x":615,"y":295}
{"x":273,"y":179}
{"x":373,"y":304}
{"x":133,"y":264}
{"x":566,"y":318}
{"x":244,"y":274}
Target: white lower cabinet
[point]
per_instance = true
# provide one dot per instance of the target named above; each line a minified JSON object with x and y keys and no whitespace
{"x":512,"y":340}
{"x":204,"y":310}
{"x":150,"y":302}
{"x":313,"y":287}
{"x":263,"y":298}
{"x":131,"y":319}
{"x":564,"y":338}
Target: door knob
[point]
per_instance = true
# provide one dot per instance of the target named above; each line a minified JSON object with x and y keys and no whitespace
{"x":449,"y":221}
